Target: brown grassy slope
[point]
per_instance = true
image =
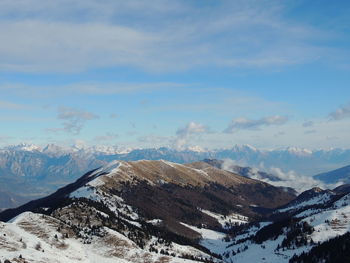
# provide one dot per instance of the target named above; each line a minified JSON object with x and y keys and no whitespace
{"x":158,"y":172}
{"x":170,"y":191}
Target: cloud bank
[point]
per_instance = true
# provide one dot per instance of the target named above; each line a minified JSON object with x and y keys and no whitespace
{"x":281,"y":178}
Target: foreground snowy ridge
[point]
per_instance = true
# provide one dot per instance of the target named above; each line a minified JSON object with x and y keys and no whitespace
{"x":282,"y":240}
{"x":40,"y":238}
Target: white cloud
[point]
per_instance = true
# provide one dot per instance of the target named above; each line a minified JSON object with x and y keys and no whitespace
{"x":74,"y":119}
{"x":341,"y":113}
{"x":292,"y":179}
{"x":191,"y":128}
{"x":61,"y":46}
{"x":284,"y":178}
{"x":184,"y":134}
{"x":246,"y":124}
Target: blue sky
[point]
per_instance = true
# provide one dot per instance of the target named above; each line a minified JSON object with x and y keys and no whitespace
{"x":175,"y":73}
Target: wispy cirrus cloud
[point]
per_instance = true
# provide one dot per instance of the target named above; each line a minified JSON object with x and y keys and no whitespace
{"x":119,"y":88}
{"x":85,"y":88}
{"x":247,"y":124}
{"x":161,"y":36}
{"x":12,"y":106}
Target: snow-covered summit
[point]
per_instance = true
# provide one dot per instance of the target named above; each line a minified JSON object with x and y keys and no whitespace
{"x":24,"y":147}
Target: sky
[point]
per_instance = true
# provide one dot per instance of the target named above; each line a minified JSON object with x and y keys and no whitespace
{"x":179,"y":74}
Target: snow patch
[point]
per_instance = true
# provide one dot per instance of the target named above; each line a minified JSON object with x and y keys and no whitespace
{"x":319,"y":199}
{"x":212,"y":240}
{"x":227,"y":221}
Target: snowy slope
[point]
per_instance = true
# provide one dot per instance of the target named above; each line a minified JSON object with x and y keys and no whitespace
{"x":227,"y":221}
{"x":35,"y":238}
{"x":212,"y":240}
{"x":284,"y":239}
{"x":92,"y":221}
{"x":322,"y":198}
{"x":293,"y":236}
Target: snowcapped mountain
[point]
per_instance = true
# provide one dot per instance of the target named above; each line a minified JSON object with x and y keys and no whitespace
{"x":301,"y":160}
{"x":30,"y":172}
{"x":295,"y":233}
{"x":23,"y":147}
{"x":310,"y":198}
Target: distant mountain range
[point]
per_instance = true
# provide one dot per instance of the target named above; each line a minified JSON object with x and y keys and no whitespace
{"x":11,"y":200}
{"x":339,"y":175}
{"x":300,"y":160}
{"x":165,"y":212}
{"x":28,"y":171}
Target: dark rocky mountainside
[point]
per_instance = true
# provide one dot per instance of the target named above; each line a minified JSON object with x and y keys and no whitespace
{"x":342,"y":189}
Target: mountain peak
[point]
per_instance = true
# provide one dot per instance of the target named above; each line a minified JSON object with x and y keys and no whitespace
{"x":244,"y":147}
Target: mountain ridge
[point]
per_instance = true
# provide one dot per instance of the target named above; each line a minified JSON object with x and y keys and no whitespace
{"x":117,"y":174}
{"x":34,"y":171}
{"x":340,"y":175}
{"x":168,"y":212}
